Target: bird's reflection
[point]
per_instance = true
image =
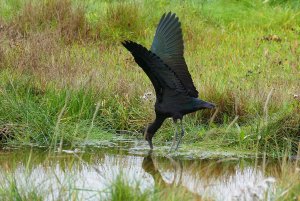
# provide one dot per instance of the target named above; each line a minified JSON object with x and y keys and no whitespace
{"x":149,"y":166}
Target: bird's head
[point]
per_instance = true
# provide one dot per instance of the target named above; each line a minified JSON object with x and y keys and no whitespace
{"x":147,"y":135}
{"x":206,"y":105}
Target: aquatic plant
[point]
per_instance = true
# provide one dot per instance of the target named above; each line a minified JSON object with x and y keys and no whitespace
{"x":58,"y":64}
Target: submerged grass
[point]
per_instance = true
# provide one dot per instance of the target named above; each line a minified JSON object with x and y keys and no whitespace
{"x":119,"y":190}
{"x":122,"y":190}
{"x":60,"y":58}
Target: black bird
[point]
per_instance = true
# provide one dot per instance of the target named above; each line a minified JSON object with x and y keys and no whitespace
{"x":165,"y":66}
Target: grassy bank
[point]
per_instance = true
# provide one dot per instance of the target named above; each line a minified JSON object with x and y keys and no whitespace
{"x":65,"y":77}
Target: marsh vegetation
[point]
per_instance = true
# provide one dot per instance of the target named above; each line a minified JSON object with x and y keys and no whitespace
{"x":65,"y":79}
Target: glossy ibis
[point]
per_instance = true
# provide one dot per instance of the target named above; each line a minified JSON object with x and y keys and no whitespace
{"x":165,"y":66}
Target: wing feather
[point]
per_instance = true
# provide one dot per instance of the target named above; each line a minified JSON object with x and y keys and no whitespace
{"x":160,"y":74}
{"x":168,"y":45}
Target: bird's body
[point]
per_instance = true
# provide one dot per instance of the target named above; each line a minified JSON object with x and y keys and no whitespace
{"x":176,"y":105}
{"x":165,"y":66}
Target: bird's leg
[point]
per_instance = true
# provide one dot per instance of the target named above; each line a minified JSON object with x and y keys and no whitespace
{"x":175,"y":134}
{"x":182,"y":134}
{"x":148,"y":137}
{"x":150,"y":144}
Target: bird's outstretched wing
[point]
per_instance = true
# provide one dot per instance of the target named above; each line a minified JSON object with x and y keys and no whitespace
{"x":160,"y":74}
{"x":168,"y":45}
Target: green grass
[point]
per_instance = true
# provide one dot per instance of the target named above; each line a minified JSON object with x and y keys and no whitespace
{"x":121,"y":190}
{"x":13,"y":192}
{"x":60,"y":59}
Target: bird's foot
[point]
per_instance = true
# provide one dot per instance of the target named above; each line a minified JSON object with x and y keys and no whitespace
{"x":177,"y":146}
{"x":173,"y":143}
{"x":179,"y":140}
{"x":150,"y":144}
{"x":149,"y":140}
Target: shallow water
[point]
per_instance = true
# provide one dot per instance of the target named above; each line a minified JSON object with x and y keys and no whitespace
{"x":88,"y":175}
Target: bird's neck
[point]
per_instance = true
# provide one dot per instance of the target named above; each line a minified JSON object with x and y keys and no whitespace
{"x":152,"y":128}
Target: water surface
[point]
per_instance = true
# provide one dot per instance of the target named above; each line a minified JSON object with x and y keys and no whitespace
{"x":88,"y":175}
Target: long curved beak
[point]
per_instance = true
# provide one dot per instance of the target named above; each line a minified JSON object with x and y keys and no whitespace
{"x":207,"y":105}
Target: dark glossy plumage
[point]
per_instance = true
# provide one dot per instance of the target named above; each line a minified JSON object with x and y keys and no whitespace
{"x":164,"y":64}
{"x":168,"y":45}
